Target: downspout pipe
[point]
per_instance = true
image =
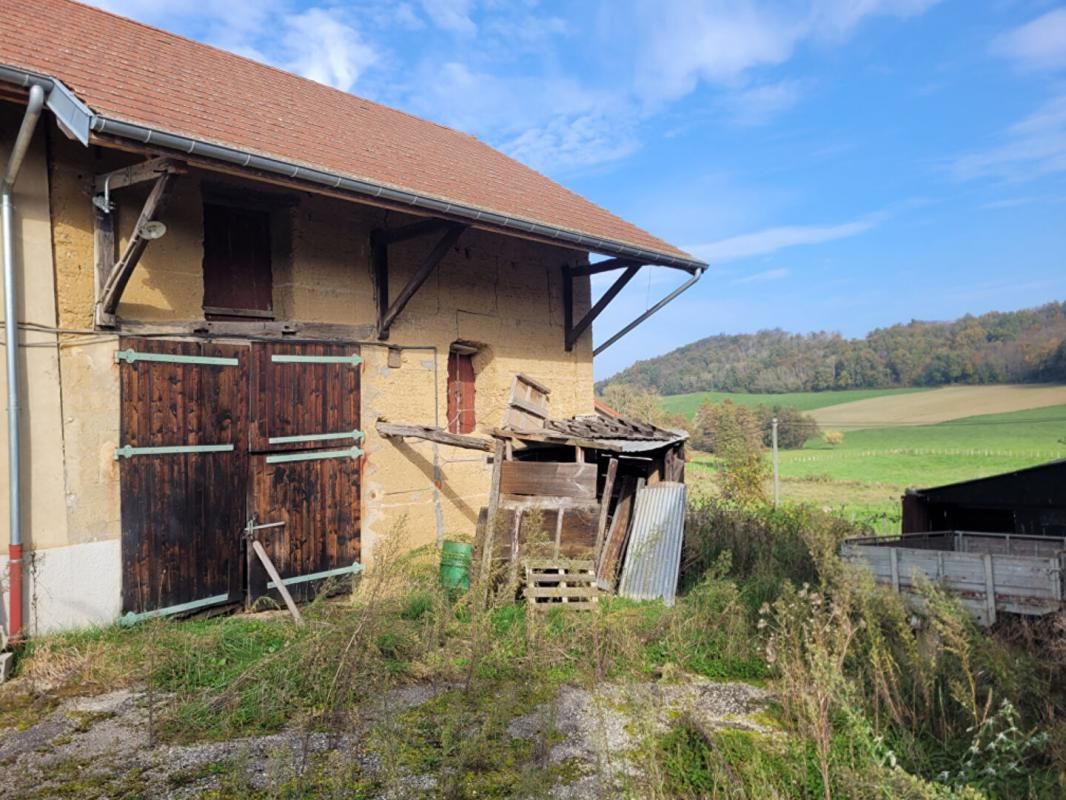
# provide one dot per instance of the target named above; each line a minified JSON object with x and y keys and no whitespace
{"x":14,"y":379}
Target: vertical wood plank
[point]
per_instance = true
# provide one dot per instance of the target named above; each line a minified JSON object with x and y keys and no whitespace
{"x":605,"y":504}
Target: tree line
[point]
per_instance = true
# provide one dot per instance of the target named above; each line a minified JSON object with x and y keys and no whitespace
{"x":718,"y":427}
{"x":998,"y":347}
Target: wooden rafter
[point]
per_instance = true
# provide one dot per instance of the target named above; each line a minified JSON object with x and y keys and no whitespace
{"x":114,"y":284}
{"x":388,"y":312}
{"x":603,"y":266}
{"x":142,"y":172}
{"x":574,"y":331}
{"x":415,"y":229}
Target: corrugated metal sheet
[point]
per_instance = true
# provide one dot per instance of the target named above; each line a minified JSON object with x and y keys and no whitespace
{"x":653,"y":558}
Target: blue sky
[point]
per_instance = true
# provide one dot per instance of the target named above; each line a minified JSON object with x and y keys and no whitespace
{"x":842,"y":164}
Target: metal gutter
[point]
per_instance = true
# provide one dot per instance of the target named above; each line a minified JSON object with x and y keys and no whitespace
{"x":14,"y":378}
{"x":151,"y":136}
{"x":72,"y":114}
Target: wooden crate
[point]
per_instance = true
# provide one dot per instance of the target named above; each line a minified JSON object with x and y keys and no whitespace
{"x":570,"y":584}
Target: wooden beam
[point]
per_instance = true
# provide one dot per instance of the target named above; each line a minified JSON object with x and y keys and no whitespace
{"x":103,"y":260}
{"x":572,"y":335}
{"x":379,"y":263}
{"x":568,"y":305}
{"x":413,"y":230}
{"x":603,"y":266}
{"x":390,"y":429}
{"x":123,"y":269}
{"x":148,"y":170}
{"x":268,"y":565}
{"x":425,"y":269}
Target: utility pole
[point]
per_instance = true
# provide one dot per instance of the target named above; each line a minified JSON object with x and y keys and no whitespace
{"x":777,"y":489}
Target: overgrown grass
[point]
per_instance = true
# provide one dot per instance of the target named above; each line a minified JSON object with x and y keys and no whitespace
{"x":869,"y":705}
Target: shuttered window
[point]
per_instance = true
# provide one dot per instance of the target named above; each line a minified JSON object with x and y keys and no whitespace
{"x":238,"y":283}
{"x":461,"y":392}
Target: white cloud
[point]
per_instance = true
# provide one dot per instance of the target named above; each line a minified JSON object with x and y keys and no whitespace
{"x":324,"y":48}
{"x":515,"y":89}
{"x":319,"y":43}
{"x":762,"y":277}
{"x":1039,"y":44}
{"x":452,"y":15}
{"x":553,"y":124}
{"x":1033,"y":147}
{"x":760,"y":104}
{"x":686,"y":42}
{"x":773,"y":239}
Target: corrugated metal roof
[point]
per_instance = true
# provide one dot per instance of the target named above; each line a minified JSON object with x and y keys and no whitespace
{"x":653,"y":558}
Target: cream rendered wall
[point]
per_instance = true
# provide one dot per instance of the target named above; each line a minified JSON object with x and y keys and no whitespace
{"x":501,"y":292}
{"x":44,"y":520}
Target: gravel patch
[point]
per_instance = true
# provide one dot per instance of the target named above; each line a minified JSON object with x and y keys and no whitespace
{"x":591,"y":734}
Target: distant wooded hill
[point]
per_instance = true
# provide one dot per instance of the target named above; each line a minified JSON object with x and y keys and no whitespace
{"x":1008,"y":347}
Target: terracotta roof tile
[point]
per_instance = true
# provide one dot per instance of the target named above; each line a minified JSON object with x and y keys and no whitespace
{"x":135,"y":73}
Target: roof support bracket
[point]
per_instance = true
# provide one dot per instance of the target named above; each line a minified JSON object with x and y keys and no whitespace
{"x":574,"y":331}
{"x":675,"y":293}
{"x":111,"y":275}
{"x":379,"y":243}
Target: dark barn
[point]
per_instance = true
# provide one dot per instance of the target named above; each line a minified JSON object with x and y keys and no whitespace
{"x":1028,"y":501}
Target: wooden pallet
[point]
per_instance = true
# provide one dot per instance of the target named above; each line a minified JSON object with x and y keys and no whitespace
{"x":554,"y":583}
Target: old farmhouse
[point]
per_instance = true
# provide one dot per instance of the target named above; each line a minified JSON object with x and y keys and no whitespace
{"x":220,"y":278}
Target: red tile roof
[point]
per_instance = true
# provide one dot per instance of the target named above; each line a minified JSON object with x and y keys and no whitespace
{"x":130,"y":72}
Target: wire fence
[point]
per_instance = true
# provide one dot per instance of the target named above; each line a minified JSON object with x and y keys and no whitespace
{"x":793,"y":457}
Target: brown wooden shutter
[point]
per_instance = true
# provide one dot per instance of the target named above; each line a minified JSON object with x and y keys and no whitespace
{"x":461,"y":393}
{"x":237,"y":272}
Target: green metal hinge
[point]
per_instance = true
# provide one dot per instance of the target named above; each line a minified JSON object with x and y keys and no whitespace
{"x":132,"y":356}
{"x":314,"y":437}
{"x":316,"y":455}
{"x":131,"y":618}
{"x":292,"y":359}
{"x":354,"y":569}
{"x":129,"y":451}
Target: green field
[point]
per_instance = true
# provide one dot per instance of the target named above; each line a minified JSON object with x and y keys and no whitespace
{"x":687,"y":404}
{"x":927,"y":455}
{"x":864,"y":476}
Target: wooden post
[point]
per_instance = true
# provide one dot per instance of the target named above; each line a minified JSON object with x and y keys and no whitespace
{"x":605,"y":504}
{"x":893,"y":557}
{"x":490,"y":518}
{"x":990,"y":589}
{"x":103,"y":261}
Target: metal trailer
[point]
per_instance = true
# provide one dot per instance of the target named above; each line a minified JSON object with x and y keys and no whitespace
{"x":990,"y":572}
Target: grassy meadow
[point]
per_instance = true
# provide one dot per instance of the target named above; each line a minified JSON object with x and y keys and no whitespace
{"x":864,"y":476}
{"x":687,"y":404}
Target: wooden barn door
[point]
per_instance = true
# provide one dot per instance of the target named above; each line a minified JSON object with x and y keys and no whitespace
{"x":183,"y":464}
{"x":305,"y":462}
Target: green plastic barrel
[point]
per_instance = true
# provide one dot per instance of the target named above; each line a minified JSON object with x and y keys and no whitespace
{"x":455,"y":558}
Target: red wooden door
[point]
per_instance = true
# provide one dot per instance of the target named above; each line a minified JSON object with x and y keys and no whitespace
{"x":183,"y":472}
{"x":305,"y":464}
